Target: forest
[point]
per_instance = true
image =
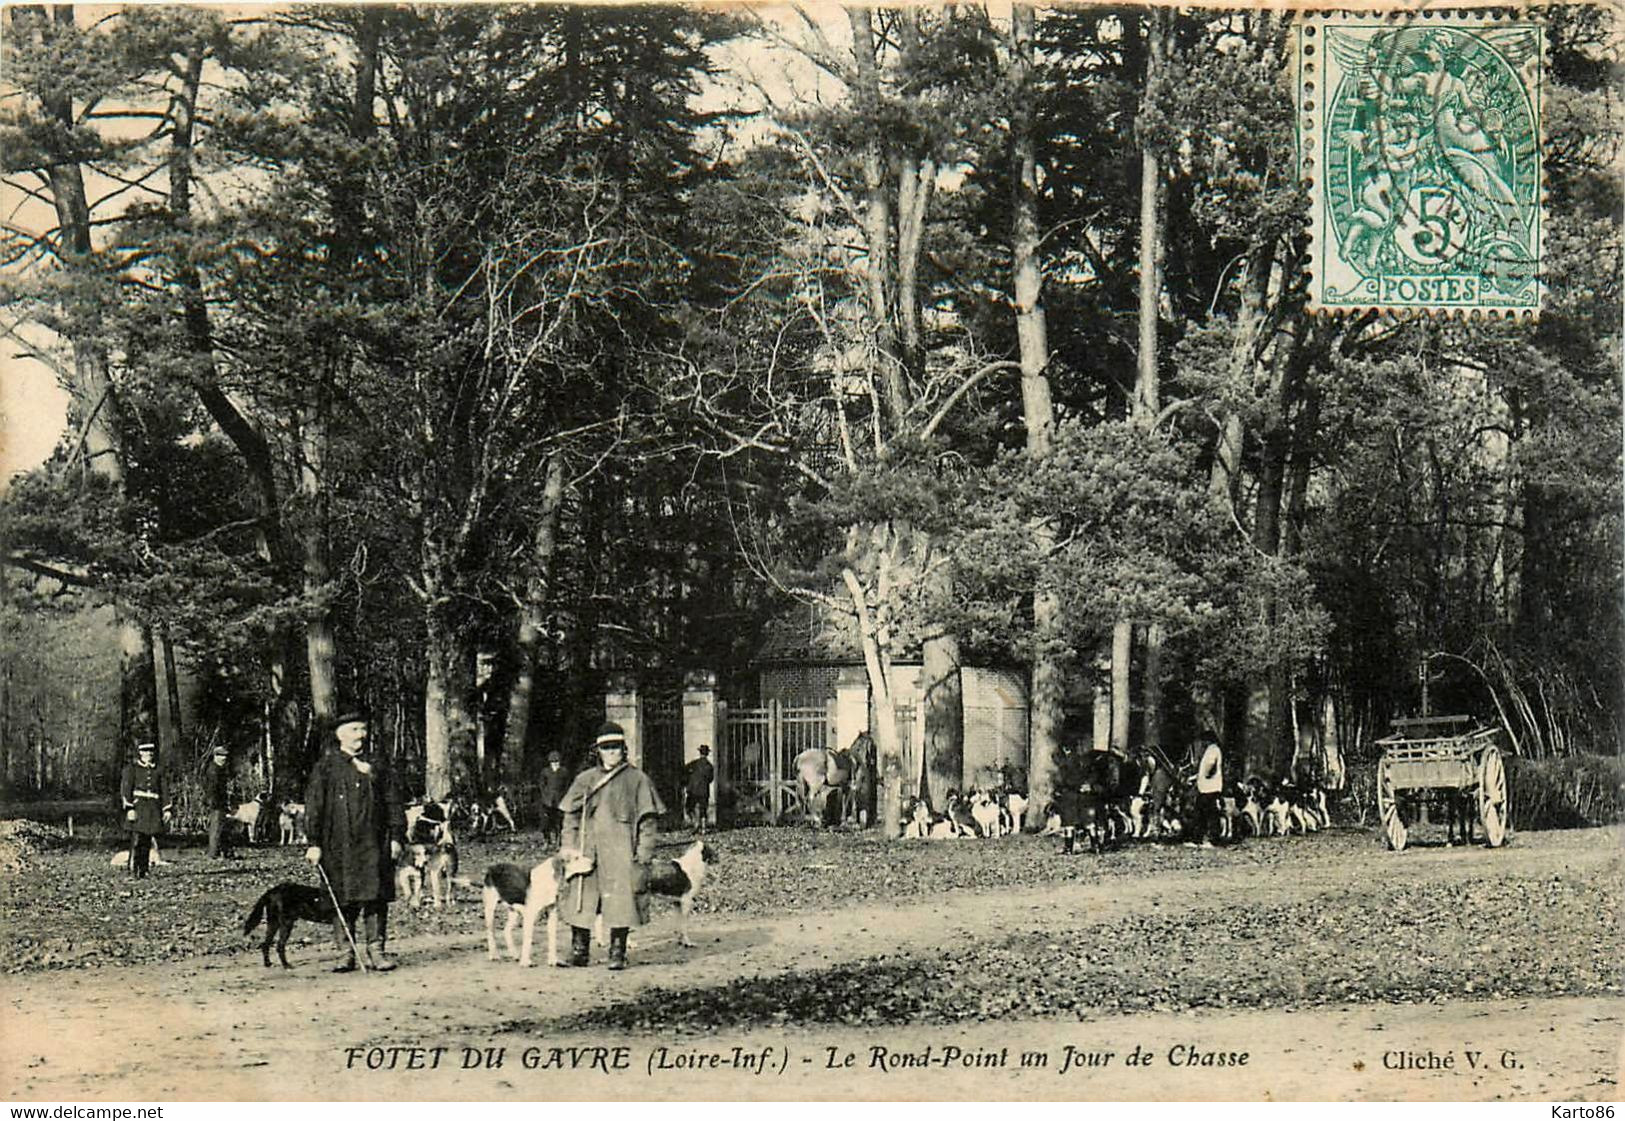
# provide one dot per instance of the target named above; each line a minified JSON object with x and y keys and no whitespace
{"x":450,"y":359}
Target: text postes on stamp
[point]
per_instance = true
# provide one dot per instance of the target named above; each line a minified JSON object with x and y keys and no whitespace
{"x":1420,"y":137}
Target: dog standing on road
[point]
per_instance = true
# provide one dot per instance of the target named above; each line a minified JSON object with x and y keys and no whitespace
{"x":409,"y":874}
{"x":681,"y":880}
{"x":440,"y":869}
{"x":291,"y":824}
{"x":282,"y":907}
{"x":526,"y":895}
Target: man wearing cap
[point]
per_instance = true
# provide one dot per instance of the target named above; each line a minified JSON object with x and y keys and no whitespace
{"x":555,"y":782}
{"x":611,"y":818}
{"x":700,"y":775}
{"x":357,"y":824}
{"x":216,"y":777}
{"x":141,"y":789}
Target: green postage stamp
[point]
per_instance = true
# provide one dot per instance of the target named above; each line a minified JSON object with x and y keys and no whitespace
{"x":1420,"y":139}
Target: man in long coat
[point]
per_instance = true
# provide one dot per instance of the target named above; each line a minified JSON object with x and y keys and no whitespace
{"x":216,"y":784}
{"x":700,"y":775}
{"x":554,"y":785}
{"x":141,"y":790}
{"x":611,"y":818}
{"x":357,"y":825}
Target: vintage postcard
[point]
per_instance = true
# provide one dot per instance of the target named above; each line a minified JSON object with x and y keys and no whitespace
{"x":635,"y":552}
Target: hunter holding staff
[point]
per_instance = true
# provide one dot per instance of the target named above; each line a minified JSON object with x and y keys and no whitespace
{"x":611,"y":818}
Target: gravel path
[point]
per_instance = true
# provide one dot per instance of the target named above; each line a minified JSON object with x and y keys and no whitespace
{"x":1528,"y":921}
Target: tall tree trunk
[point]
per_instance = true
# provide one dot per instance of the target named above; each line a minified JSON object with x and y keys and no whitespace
{"x":1269,"y":741}
{"x":883,"y":726}
{"x":1038,"y":414}
{"x":174,"y":725}
{"x":1225,"y":476}
{"x":1147,"y":395}
{"x":440,"y":693}
{"x":943,"y":694}
{"x":1122,"y":657}
{"x":96,"y":410}
{"x":877,"y":224}
{"x":533,"y":620}
{"x":321,"y":647}
{"x":245,"y":436}
{"x":1151,"y":734}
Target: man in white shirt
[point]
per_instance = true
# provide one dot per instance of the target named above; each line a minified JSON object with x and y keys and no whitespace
{"x":1209,"y":789}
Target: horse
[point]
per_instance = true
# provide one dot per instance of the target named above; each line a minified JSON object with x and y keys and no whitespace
{"x":824,"y":774}
{"x":860,"y":800}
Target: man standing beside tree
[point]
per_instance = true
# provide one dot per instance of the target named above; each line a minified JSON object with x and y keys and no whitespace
{"x":357,"y":825}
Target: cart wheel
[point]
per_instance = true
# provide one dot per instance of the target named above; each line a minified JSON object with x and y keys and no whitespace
{"x":1393,"y":825}
{"x":1492,"y":797}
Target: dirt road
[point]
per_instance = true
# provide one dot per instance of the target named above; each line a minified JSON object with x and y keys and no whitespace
{"x":228,"y":1029}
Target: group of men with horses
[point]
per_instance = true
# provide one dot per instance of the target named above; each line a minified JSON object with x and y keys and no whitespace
{"x":1099,"y":795}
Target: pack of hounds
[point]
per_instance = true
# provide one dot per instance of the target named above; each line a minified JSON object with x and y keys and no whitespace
{"x":428,"y":867}
{"x":473,"y":817}
{"x":1119,"y":799}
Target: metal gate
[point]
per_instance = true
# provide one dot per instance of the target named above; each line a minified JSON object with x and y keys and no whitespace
{"x":663,"y":753}
{"x":756,"y":777}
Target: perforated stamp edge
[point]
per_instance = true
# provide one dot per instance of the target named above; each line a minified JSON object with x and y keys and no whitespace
{"x":1316,"y":73}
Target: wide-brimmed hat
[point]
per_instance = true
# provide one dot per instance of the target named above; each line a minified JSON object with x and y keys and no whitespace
{"x":611,"y":735}
{"x":350,"y":716}
{"x":140,"y":747}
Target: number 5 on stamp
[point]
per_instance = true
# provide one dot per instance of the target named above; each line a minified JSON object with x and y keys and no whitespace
{"x":1419,"y":138}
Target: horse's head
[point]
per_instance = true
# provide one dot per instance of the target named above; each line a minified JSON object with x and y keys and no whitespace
{"x":862,"y":748}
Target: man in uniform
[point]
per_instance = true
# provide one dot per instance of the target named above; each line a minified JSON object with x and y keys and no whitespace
{"x":700,"y":776}
{"x":611,"y":819}
{"x":216,"y":779}
{"x":141,"y":789}
{"x":357,"y":824}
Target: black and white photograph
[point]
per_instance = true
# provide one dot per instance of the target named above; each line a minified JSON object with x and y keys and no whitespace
{"x":942,"y":552}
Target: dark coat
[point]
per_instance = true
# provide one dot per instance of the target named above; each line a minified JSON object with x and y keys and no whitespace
{"x":554,"y":785}
{"x":142,"y":789}
{"x":700,"y":775}
{"x":352,"y":818}
{"x":1069,"y":777}
{"x":612,"y":817}
{"x":216,"y":780}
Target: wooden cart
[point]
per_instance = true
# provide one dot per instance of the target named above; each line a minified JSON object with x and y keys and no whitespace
{"x":1428,"y":765}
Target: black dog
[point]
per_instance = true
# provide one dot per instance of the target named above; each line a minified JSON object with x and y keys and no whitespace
{"x":283,"y":906}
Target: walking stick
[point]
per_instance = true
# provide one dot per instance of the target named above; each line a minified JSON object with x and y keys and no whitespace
{"x":344,"y":922}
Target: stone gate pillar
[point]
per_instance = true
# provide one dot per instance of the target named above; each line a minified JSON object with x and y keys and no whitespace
{"x":623,"y":704}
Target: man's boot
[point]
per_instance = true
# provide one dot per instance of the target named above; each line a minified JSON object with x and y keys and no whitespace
{"x":617,"y":947}
{"x":341,"y":941}
{"x":580,"y":946}
{"x":1068,"y":839}
{"x":377,"y":934}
